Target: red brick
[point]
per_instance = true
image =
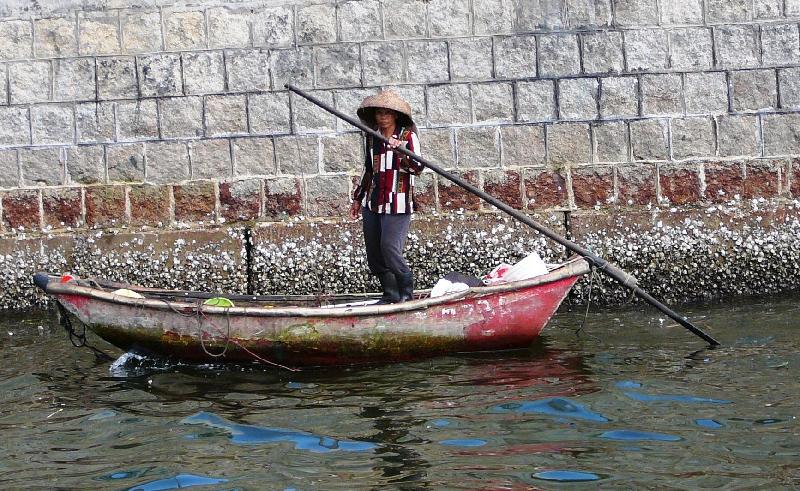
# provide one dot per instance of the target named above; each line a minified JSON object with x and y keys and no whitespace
{"x":680,"y":185}
{"x":637,"y":184}
{"x":283,"y":196}
{"x":454,"y":197}
{"x":503,"y":185}
{"x":545,"y":189}
{"x":592,"y":186}
{"x":794,"y":180}
{"x":195,"y":201}
{"x":723,"y":181}
{"x":61,"y":207}
{"x":240,"y":200}
{"x":21,"y":209}
{"x":105,"y":206}
{"x":762,"y":179}
{"x":150,"y":205}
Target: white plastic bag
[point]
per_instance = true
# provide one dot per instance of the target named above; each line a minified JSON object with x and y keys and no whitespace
{"x":529,"y":267}
{"x":443,"y":287}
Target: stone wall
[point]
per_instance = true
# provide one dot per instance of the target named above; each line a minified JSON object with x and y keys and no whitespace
{"x":173,"y":115}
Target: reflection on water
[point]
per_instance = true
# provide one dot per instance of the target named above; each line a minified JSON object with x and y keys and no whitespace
{"x":638,"y":404}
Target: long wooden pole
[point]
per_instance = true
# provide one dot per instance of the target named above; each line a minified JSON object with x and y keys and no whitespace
{"x":611,"y":270}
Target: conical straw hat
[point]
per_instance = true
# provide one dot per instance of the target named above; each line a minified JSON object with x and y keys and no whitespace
{"x":387,"y":99}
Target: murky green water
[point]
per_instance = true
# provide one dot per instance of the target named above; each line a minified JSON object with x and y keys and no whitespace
{"x":631,"y":403}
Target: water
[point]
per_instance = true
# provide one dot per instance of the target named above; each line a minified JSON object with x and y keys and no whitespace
{"x":633,"y":402}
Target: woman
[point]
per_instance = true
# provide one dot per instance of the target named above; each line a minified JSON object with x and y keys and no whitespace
{"x":385,"y":196}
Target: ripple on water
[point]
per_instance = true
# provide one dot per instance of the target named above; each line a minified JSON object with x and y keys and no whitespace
{"x":555,"y":406}
{"x":638,"y":396}
{"x":633,"y":435}
{"x":566,"y":476}
{"x":178,"y":482}
{"x":708,"y":423}
{"x":458,"y":442}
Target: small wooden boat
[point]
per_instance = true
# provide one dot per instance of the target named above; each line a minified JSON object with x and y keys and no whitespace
{"x":308,"y":330}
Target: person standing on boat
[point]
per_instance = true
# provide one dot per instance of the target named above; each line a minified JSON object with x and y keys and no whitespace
{"x":384,"y":198}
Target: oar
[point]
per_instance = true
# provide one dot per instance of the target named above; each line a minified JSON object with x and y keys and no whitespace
{"x":611,"y":270}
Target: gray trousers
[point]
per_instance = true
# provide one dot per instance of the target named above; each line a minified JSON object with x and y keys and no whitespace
{"x":385,"y":236}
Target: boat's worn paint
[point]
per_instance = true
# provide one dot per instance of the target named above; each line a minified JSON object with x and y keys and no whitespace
{"x":489,"y":318}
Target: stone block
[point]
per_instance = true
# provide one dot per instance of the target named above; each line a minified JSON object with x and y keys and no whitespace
{"x":338,"y":65}
{"x":105,"y":206}
{"x":737,"y":46}
{"x":292,"y":65}
{"x":588,"y":13}
{"x":343,"y":153}
{"x":448,"y":18}
{"x":74,"y":80}
{"x":125,"y":162}
{"x":692,"y":137}
{"x":9,"y":169}
{"x":505,"y":185}
{"x":781,"y":134}
{"x":29,"y":82}
{"x":376,"y":70}
{"x":612,"y":142}
{"x":725,"y":11}
{"x":52,"y":124}
{"x":738,"y":136}
{"x":559,"y":55}
{"x":794,"y":178}
{"x":274,"y":27}
{"x":327,"y":196}
{"x":692,"y":48}
{"x":768,"y":9}
{"x":181,"y":117}
{"x":228,"y":28}
{"x":493,"y":16}
{"x":15,"y":127}
{"x":471,"y":59}
{"x":54,"y":37}
{"x":425,"y":193}
{"x":723,"y":181}
{"x":449,"y":104}
{"x":705,"y":93}
{"x":779,"y":44}
{"x":160,"y":75}
{"x":359,"y":20}
{"x":493,"y":103}
{"x":568,"y":143}
{"x":438,"y":146}
{"x":297,"y":155}
{"x":3,"y":85}
{"x":98,"y":33}
{"x":536,"y":16}
{"x":253,"y":157}
{"x":94,"y":122}
{"x":247,"y":70}
{"x":408,"y":22}
{"x":210,"y":159}
{"x":536,"y":100}
{"x":593,"y":186}
{"x":522,"y":146}
{"x":515,"y":56}
{"x":427,"y":61}
{"x":184,"y":30}
{"x":619,"y":97}
{"x":577,"y":98}
{"x":269,"y":113}
{"x":16,"y":39}
{"x":316,"y":24}
{"x":454,"y":198}
{"x":792,"y":8}
{"x":150,"y":205}
{"x":661,"y":94}
{"x":636,"y":184}
{"x":679,"y":184}
{"x":544,"y":188}
{"x":310,"y":118}
{"x":86,"y":164}
{"x":21,"y":209}
{"x":167,"y":162}
{"x":240,"y":200}
{"x":683,"y":12}
{"x":635,"y":12}
{"x":61,"y":207}
{"x":195,"y":201}
{"x":646,"y":49}
{"x":649,"y":140}
{"x":789,"y":83}
{"x":116,"y":78}
{"x":137,"y":120}
{"x":762,"y":179}
{"x":602,"y":52}
{"x":203,"y":72}
{"x":478,"y":147}
{"x":753,"y":90}
{"x":141,"y":32}
{"x":348,"y":100}
{"x":283,"y":197}
{"x":226,"y":115}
